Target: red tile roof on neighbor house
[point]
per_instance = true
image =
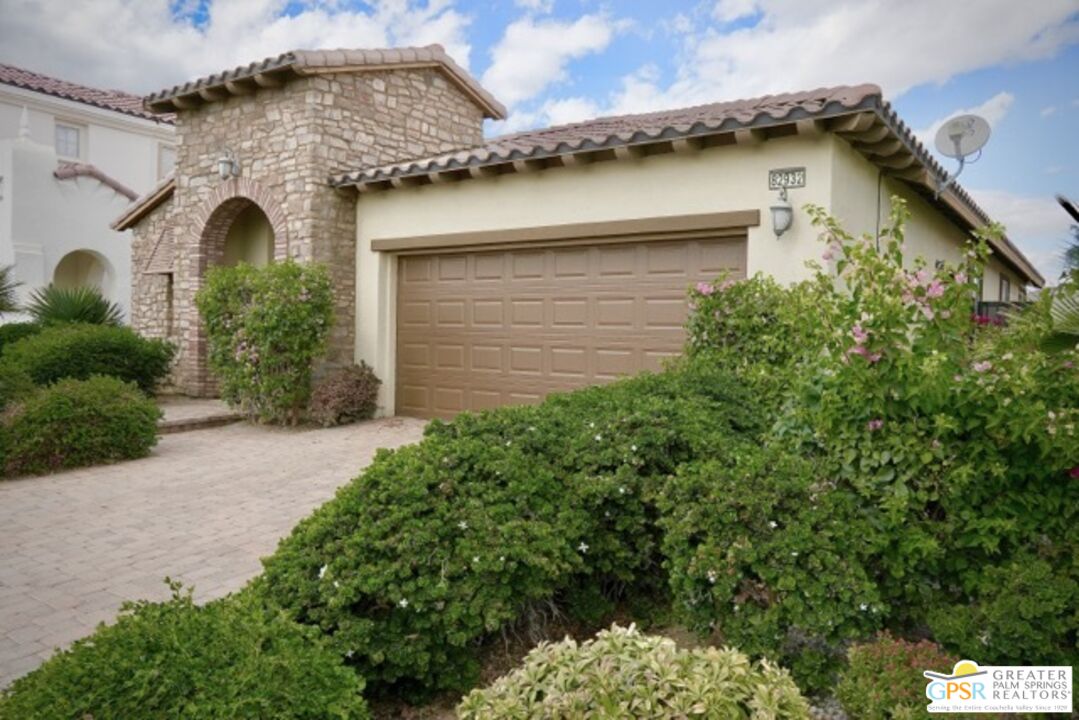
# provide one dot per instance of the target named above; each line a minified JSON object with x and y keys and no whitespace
{"x":115,"y":100}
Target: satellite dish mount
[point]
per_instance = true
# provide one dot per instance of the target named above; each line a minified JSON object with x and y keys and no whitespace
{"x":961,"y":138}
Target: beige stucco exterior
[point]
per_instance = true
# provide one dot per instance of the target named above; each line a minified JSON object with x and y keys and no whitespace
{"x":720,"y":179}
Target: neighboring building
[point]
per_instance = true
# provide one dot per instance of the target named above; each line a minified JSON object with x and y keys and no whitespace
{"x":473,"y":273}
{"x":71,"y":158}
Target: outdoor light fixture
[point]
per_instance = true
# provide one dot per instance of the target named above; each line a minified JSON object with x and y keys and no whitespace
{"x":782,"y":213}
{"x":227,"y":165}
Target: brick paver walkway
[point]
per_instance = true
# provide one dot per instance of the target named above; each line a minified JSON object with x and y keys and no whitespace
{"x":202,"y":509}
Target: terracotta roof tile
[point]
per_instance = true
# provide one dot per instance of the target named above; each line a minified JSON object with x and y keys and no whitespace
{"x":307,"y":62}
{"x":115,"y":100}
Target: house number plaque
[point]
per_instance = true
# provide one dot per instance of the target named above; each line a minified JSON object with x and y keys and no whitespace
{"x":792,"y":177}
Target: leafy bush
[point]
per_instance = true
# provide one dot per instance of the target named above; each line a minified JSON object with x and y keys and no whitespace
{"x":883,"y":679}
{"x":437,"y":546}
{"x":622,"y":673}
{"x":228,"y":659}
{"x":80,"y":351}
{"x":11,"y":333}
{"x":943,"y":449}
{"x":266,"y":327}
{"x":54,"y":305}
{"x":345,"y":396}
{"x":80,"y":422}
{"x":15,"y":385}
{"x":771,"y":558}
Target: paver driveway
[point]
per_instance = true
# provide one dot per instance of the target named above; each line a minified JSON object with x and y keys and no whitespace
{"x":202,"y":509}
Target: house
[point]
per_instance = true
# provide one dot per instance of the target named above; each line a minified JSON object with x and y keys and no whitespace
{"x":471,"y":272}
{"x":72,"y":158}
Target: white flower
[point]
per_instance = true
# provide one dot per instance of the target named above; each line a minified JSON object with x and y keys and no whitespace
{"x":463,"y":525}
{"x":773,"y":524}
{"x":402,"y":603}
{"x":336,"y":584}
{"x":475,"y":558}
{"x":501,"y":558}
{"x":591,"y":424}
{"x":712,"y":576}
{"x":633,"y":448}
{"x":322,"y":572}
{"x":622,"y":490}
{"x":348,"y":654}
{"x":794,"y":553}
{"x":583,"y":547}
{"x":863,"y":607}
{"x":598,"y":438}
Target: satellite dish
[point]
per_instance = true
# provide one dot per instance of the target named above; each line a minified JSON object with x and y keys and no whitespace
{"x":959,"y":138}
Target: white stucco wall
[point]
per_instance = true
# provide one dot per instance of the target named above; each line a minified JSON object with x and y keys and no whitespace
{"x":42,"y":219}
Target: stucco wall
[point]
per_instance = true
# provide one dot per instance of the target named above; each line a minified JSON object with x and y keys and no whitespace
{"x":44,"y":219}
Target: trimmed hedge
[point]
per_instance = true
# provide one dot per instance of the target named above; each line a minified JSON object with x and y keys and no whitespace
{"x":622,"y":673}
{"x":15,"y":385}
{"x":345,"y":396}
{"x":11,"y":333}
{"x":439,"y":545}
{"x":79,"y":351}
{"x":228,"y":659}
{"x":79,"y":422}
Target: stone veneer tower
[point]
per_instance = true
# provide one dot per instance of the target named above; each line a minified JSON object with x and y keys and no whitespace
{"x":290,"y":122}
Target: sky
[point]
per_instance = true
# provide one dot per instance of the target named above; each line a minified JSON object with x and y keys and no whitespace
{"x":555,"y":61}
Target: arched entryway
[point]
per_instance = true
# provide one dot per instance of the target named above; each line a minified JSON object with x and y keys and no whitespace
{"x":83,"y":268}
{"x":238,"y":223}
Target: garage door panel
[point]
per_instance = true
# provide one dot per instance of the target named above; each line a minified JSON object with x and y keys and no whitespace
{"x":479,"y":330}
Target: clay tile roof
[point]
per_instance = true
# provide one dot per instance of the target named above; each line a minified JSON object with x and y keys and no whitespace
{"x":274,"y":70}
{"x":73,"y":170}
{"x":115,"y":100}
{"x":620,"y":130}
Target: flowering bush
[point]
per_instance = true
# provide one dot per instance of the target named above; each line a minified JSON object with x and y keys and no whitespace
{"x":883,"y":679}
{"x":266,"y":327}
{"x":439,"y":545}
{"x":622,"y":673}
{"x":950,"y":450}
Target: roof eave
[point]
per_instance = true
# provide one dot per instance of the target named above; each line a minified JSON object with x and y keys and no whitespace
{"x":144,"y":206}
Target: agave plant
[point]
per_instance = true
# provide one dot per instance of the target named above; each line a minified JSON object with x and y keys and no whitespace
{"x":9,"y":301}
{"x":52,"y":304}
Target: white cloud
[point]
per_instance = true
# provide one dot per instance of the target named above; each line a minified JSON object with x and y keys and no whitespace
{"x":537,"y":6}
{"x":143,"y":45}
{"x":1035,"y":223}
{"x":726,"y":11}
{"x":533,"y":54}
{"x":993,"y":110}
{"x":1048,"y":110}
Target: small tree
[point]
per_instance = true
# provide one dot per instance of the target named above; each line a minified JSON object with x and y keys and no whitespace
{"x":266,"y":328}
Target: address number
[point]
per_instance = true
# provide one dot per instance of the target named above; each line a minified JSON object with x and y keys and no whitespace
{"x":787,"y":178}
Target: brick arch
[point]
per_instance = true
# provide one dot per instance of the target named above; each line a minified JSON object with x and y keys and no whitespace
{"x":220,"y":209}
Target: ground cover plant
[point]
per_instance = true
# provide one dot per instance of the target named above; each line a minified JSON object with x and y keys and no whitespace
{"x":623,"y":673}
{"x":230,"y":658}
{"x":266,"y":327}
{"x":80,"y":351}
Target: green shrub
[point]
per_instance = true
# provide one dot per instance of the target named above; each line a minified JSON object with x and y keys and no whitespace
{"x":266,"y":327}
{"x":56,"y":305}
{"x":622,"y":673}
{"x":773,"y":559}
{"x":73,"y":423}
{"x":80,"y":351}
{"x":883,"y":679}
{"x":15,"y":385}
{"x":439,"y":545}
{"x":11,"y":333}
{"x":345,"y":396}
{"x":228,"y":659}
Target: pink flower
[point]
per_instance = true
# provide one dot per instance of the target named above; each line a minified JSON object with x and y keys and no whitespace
{"x":961,"y":277}
{"x":858,"y":350}
{"x":928,"y":312}
{"x":859,"y":335}
{"x":1068,"y":365}
{"x":982,"y":366}
{"x":727,"y":285}
{"x":874,"y":358}
{"x":1074,"y":472}
{"x":705,"y":288}
{"x":828,"y":255}
{"x":921,"y":276}
{"x":874,"y":425}
{"x":935,"y":289}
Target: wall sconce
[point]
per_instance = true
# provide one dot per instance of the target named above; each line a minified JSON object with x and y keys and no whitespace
{"x":782,"y":213}
{"x":227,"y":165}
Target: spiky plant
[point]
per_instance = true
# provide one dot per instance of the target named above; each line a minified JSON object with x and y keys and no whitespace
{"x":9,"y":301}
{"x":51,"y":305}
{"x":1065,"y":314}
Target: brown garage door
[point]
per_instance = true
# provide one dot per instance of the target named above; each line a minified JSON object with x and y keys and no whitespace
{"x":477,"y":330}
